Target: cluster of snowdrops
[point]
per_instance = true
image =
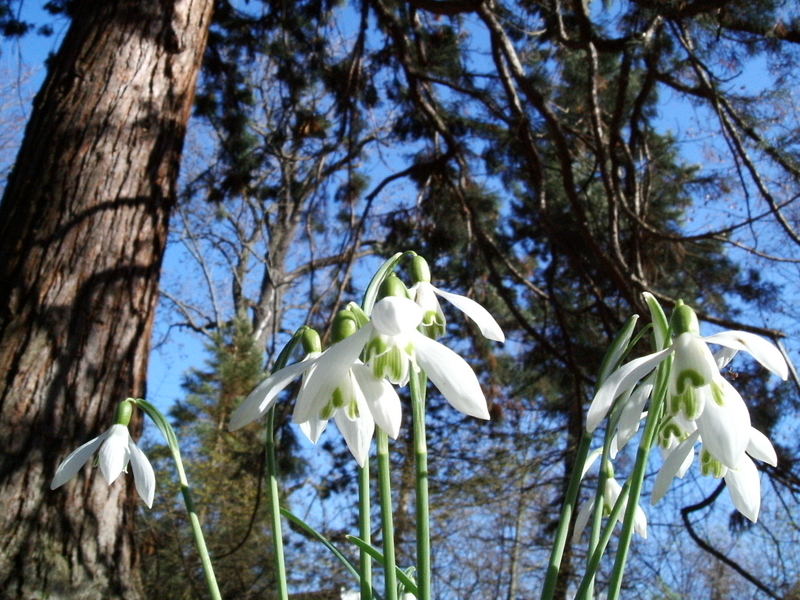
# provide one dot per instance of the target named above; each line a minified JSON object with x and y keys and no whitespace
{"x":389,"y":340}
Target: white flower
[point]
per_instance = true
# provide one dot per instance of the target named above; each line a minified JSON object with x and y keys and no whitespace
{"x":742,"y":480}
{"x":693,"y":368}
{"x":116,"y":449}
{"x":395,"y":321}
{"x":424,"y":295}
{"x":335,"y":385}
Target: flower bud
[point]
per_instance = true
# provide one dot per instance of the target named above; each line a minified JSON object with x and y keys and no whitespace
{"x":310,"y":340}
{"x":124,"y":412}
{"x":345,"y":324}
{"x":683,"y":320}
{"x":392,"y":286}
{"x":420,"y":270}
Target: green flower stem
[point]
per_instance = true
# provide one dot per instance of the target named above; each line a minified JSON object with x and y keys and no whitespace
{"x":599,"y":500}
{"x":364,"y":532}
{"x":636,"y":479}
{"x":197,"y":533}
{"x":567,"y":510}
{"x":387,"y":522}
{"x":272,"y":474}
{"x":275,"y":507}
{"x":587,"y":583}
{"x":418,"y":382}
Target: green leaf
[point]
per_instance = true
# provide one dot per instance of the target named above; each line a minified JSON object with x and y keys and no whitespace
{"x":402,"y":577}
{"x":322,"y":539}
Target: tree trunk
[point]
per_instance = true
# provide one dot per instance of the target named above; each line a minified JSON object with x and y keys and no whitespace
{"x":83,"y":225}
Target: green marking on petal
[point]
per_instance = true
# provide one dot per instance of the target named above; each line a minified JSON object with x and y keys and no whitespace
{"x":338,"y":400}
{"x":711,"y":466}
{"x":327,"y":411}
{"x":717,"y":393}
{"x":691,"y":376}
{"x":688,"y":404}
{"x":352,"y":410}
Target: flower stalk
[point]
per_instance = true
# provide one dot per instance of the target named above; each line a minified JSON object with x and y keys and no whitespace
{"x":417,"y":385}
{"x":364,"y":532}
{"x":387,"y":521}
{"x":194,"y":521}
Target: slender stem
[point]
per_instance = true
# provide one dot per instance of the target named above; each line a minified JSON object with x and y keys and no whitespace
{"x":387,"y":522}
{"x":587,"y":583}
{"x":199,"y":541}
{"x":364,"y":532}
{"x":637,"y":478}
{"x":197,"y":533}
{"x":418,"y":382}
{"x":567,"y":510}
{"x":275,"y":507}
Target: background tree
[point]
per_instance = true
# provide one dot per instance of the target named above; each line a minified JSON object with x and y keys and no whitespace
{"x":83,"y":223}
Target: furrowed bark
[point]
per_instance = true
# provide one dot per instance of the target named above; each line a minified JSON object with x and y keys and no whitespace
{"x":83,"y":226}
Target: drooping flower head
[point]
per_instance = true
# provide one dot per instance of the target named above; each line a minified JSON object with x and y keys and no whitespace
{"x":700,"y":406}
{"x":433,"y":321}
{"x":115,"y":449}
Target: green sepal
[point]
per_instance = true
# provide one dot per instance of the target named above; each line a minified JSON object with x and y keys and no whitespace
{"x":361,"y":317}
{"x":345,"y":324}
{"x":310,"y":340}
{"x":393,"y":286}
{"x":420,"y":270}
{"x":683,"y":320}
{"x":124,"y":412}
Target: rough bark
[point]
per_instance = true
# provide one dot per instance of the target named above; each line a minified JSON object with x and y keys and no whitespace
{"x":83,"y":225}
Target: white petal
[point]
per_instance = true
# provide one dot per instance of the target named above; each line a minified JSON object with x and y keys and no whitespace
{"x":760,"y":448}
{"x":582,"y":520}
{"x":744,"y":486}
{"x":672,"y":465}
{"x":313,"y":428}
{"x":77,"y":458}
{"x":357,"y":433}
{"x":261,"y":398}
{"x":330,"y":368}
{"x":640,"y":522}
{"x":482,"y":317}
{"x":725,"y":429}
{"x":763,"y":351}
{"x":590,"y":460}
{"x":114,"y":454}
{"x":143,"y":475}
{"x":394,"y":315}
{"x":381,"y":398}
{"x":424,"y":295}
{"x":692,"y":356}
{"x":619,"y":382}
{"x":631,"y":414}
{"x":723,"y":356}
{"x":451,"y":374}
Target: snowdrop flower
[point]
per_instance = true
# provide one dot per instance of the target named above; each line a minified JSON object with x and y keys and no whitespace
{"x":115,"y":449}
{"x":742,"y":480}
{"x":693,"y":371}
{"x":433,"y":323}
{"x":611,"y":493}
{"x":335,"y":385}
{"x":394,"y":322}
